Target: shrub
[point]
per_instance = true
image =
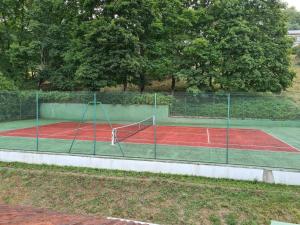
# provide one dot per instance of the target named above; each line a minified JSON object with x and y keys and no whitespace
{"x":6,"y":84}
{"x":22,"y":104}
{"x":17,"y":105}
{"x":247,"y":106}
{"x":105,"y":98}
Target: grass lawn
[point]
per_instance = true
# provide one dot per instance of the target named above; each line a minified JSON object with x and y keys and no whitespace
{"x":163,"y":199}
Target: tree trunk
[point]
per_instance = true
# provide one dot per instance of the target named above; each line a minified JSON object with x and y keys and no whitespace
{"x":40,"y":82}
{"x":22,"y":22}
{"x":173,"y":85}
{"x":125,"y":84}
{"x":142,"y":83}
{"x":211,"y":84}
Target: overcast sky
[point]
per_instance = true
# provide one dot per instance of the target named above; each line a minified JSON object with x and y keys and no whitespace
{"x":295,"y":3}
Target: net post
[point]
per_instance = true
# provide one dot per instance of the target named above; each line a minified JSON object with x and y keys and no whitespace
{"x":95,"y":120}
{"x":110,"y":124}
{"x":228,"y":127}
{"x":113,"y":137}
{"x":154,"y":124}
{"x":37,"y":119}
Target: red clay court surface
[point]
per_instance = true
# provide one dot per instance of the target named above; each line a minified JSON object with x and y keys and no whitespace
{"x":28,"y":216}
{"x":242,"y":139}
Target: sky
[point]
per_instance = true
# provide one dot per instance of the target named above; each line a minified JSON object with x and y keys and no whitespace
{"x":295,"y":3}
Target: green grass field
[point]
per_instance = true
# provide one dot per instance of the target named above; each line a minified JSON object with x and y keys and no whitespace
{"x":157,"y":198}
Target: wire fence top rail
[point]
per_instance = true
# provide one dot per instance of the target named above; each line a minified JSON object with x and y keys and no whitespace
{"x":133,"y":124}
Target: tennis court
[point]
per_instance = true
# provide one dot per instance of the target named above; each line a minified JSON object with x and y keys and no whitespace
{"x":242,"y":139}
{"x":221,"y":129}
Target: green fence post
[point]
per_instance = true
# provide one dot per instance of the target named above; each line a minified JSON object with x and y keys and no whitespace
{"x":95,"y":120}
{"x":20,"y":108}
{"x":213,"y":105}
{"x":185,"y":106}
{"x":243,"y":106}
{"x":78,"y":127}
{"x":228,"y":127}
{"x":154,"y":123}
{"x":37,"y":119}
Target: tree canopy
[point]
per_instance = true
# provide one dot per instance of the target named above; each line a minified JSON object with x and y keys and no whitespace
{"x":293,"y":18}
{"x":232,"y":45}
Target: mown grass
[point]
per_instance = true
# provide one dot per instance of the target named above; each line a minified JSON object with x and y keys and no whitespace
{"x":159,"y":198}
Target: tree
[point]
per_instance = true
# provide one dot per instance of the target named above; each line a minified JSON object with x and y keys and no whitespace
{"x":232,"y":45}
{"x":49,"y":28}
{"x":12,"y":32}
{"x":250,"y":40}
{"x":293,"y":18}
{"x":173,"y":22}
{"x":106,"y":55}
{"x":202,"y":61}
{"x":137,"y":17}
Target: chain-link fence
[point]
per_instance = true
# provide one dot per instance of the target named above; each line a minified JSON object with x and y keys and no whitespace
{"x":253,"y":129}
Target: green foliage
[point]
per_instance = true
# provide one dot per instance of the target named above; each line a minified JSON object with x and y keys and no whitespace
{"x":250,"y":57}
{"x":275,"y":108}
{"x":233,"y":45}
{"x":6,"y":84}
{"x":296,"y":51}
{"x":201,"y":59}
{"x":105,"y":98}
{"x":17,"y":105}
{"x":22,"y":105}
{"x":293,"y":18}
{"x":270,"y":107}
{"x":135,"y":98}
{"x":241,"y":107}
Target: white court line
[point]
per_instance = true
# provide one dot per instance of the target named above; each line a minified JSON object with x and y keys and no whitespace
{"x":23,"y":134}
{"x":130,"y":221}
{"x":272,"y":135}
{"x":142,"y":139}
{"x":207,"y":147}
{"x":208,"y":136}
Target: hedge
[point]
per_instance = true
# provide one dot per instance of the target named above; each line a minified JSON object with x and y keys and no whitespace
{"x":241,"y":107}
{"x":22,"y":104}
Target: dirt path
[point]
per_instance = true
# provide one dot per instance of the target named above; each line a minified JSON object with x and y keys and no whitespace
{"x":17,"y":215}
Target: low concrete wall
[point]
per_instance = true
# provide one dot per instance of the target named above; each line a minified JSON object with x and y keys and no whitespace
{"x":212,"y":171}
{"x":281,"y":223}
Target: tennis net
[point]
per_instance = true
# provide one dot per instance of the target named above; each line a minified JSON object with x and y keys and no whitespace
{"x":119,"y":134}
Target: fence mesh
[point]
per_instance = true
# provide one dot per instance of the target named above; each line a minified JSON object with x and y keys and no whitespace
{"x":17,"y":112}
{"x":237,"y":128}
